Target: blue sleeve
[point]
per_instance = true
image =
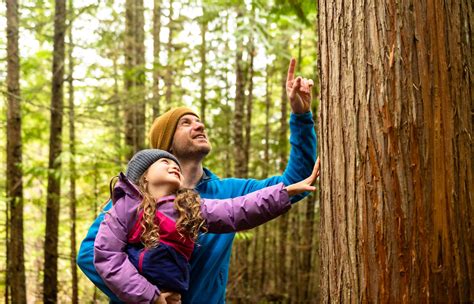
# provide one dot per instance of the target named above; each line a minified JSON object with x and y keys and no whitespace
{"x":85,"y":258}
{"x":302,"y":157}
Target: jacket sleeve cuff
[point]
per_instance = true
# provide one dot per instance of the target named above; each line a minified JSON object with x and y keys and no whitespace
{"x":301,"y":119}
{"x":155,"y":296}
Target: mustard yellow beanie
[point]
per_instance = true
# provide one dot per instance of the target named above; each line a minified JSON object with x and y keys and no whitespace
{"x":163,"y":127}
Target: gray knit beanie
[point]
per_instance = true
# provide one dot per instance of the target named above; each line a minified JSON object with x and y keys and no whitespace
{"x":143,"y":159}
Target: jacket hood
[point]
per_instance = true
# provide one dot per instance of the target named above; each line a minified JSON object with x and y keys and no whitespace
{"x":125,"y":187}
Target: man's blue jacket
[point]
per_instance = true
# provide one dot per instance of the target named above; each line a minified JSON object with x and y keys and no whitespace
{"x":211,"y":257}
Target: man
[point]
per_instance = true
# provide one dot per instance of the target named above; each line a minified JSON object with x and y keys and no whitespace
{"x":181,"y":132}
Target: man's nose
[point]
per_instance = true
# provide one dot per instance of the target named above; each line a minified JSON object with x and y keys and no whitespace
{"x":197,"y":125}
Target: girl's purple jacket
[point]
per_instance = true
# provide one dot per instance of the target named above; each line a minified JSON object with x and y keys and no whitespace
{"x":221,"y":216}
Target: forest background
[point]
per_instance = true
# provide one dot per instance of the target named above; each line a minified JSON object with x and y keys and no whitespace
{"x":124,"y":63}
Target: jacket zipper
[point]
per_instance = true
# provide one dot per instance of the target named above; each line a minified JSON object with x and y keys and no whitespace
{"x":140,"y":260}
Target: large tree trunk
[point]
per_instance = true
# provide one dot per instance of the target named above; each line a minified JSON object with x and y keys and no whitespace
{"x":50,"y":282}
{"x":15,"y":246}
{"x":72,"y":161}
{"x":135,"y":76}
{"x":396,"y":147}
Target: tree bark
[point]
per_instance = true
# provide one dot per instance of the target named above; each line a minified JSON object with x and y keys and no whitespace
{"x":72,"y":160}
{"x":14,"y":189}
{"x":50,"y":283}
{"x":135,"y":76}
{"x":396,"y":147}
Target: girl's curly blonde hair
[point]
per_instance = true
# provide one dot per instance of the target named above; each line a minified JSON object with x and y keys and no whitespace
{"x":188,"y":205}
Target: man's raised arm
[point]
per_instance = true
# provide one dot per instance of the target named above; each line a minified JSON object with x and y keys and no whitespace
{"x":302,"y":136}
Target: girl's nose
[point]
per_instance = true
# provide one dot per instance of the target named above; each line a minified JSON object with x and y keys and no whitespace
{"x":175,"y":166}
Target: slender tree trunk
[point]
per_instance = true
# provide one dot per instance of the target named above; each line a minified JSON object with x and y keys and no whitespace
{"x":284,"y":219}
{"x":156,"y":57}
{"x":240,"y":161}
{"x":117,"y":113}
{"x":202,"y":73}
{"x":7,"y":256}
{"x":283,"y":140}
{"x":228,"y":112}
{"x":15,"y":246}
{"x":396,"y":147}
{"x":134,"y":76}
{"x":169,"y":51}
{"x":266,"y":172}
{"x":248,"y":120}
{"x":50,"y":282}
{"x":72,"y":161}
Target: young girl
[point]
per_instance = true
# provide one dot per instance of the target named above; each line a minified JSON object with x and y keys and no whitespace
{"x":154,"y":224}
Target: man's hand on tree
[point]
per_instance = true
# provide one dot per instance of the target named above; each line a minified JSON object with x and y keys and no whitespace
{"x":298,"y":90}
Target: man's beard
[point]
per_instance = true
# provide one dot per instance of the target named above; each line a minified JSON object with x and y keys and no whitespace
{"x":190,"y":151}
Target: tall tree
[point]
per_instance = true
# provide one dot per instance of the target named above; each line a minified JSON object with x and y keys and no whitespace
{"x":50,"y":281}
{"x":169,"y":52}
{"x":202,"y":73}
{"x":156,"y":57}
{"x":134,"y":76}
{"x":396,"y":146}
{"x":240,"y":161}
{"x":15,"y":248}
{"x":72,"y":159}
{"x":283,"y":157}
{"x":249,"y":105}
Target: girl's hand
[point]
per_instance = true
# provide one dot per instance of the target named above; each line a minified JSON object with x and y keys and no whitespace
{"x":305,"y":185}
{"x":169,"y":298}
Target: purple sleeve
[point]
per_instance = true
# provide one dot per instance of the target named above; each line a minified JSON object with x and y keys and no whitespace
{"x":111,"y":261}
{"x":245,"y":212}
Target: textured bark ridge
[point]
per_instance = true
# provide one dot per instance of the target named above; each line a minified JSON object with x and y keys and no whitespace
{"x":396,"y":147}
